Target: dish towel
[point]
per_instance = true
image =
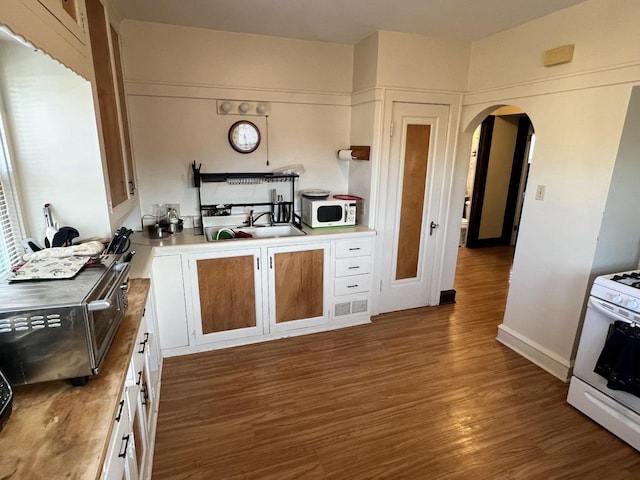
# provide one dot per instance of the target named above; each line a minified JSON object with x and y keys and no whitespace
{"x":619,"y":361}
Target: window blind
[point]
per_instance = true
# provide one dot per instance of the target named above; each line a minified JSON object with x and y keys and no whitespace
{"x":10,"y":248}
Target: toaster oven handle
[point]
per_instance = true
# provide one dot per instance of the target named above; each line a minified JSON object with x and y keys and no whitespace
{"x":105,"y":303}
{"x":98,"y":305}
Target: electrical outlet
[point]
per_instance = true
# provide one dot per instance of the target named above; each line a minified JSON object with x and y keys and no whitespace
{"x":540,"y":190}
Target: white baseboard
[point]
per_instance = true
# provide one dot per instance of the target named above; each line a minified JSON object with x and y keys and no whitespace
{"x":542,"y":357}
{"x":332,"y":325}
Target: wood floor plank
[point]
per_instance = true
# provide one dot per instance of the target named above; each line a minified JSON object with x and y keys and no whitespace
{"x":426,"y":393}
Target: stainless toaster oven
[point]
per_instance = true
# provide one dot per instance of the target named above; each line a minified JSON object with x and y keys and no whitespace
{"x":59,"y":329}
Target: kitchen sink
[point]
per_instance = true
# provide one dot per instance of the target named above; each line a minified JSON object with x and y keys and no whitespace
{"x":216,"y":234}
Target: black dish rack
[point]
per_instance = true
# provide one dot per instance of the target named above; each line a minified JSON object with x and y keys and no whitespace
{"x":282,"y":212}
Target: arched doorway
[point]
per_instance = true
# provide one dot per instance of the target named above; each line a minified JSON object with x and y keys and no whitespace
{"x":501,"y":154}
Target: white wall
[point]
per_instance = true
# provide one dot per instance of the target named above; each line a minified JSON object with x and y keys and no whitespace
{"x":176,"y":74}
{"x":365,"y":63}
{"x":366,"y":119}
{"x":618,"y":246}
{"x":426,"y":63}
{"x":54,"y":136}
{"x":161,"y":53}
{"x":605,"y":34}
{"x":578,"y":111}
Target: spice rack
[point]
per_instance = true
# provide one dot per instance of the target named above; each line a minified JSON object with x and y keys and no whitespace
{"x":252,"y":178}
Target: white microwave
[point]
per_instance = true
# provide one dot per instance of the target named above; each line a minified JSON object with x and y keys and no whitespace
{"x":328,"y":213}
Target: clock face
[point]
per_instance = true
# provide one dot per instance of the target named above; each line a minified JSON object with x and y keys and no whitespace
{"x":244,"y":137}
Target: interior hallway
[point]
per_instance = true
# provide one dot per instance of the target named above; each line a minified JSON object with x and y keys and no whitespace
{"x":420,"y":394}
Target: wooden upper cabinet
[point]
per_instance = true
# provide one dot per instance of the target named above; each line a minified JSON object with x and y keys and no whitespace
{"x":124,"y":116}
{"x":110,"y":91}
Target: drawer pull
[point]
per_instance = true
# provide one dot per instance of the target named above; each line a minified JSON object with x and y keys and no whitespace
{"x":354,"y":268}
{"x":354,"y":248}
{"x":144,"y":394}
{"x":119,"y":416}
{"x":143,"y":344}
{"x":123,"y":451}
{"x":353,"y":286}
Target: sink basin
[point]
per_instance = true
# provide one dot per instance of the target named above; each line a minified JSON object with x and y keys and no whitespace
{"x":211,"y":233}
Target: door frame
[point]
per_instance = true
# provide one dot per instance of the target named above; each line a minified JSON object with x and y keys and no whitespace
{"x":446,"y":242}
{"x":480,"y":179}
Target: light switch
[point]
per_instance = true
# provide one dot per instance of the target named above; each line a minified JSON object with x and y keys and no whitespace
{"x":540,"y":190}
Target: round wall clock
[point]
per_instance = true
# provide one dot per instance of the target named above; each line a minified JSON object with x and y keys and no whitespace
{"x":244,"y":136}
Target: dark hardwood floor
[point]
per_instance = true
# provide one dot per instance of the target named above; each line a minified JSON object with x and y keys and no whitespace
{"x":426,"y":393}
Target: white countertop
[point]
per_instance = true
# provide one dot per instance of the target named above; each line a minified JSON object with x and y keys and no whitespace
{"x":186,"y":241}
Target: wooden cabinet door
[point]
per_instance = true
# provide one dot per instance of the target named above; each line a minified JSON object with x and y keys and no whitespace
{"x":107,"y":95}
{"x":298,"y":286}
{"x":226,"y":289}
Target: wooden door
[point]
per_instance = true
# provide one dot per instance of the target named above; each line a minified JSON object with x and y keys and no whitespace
{"x":226,"y":295}
{"x":298,"y":286}
{"x":411,"y":203}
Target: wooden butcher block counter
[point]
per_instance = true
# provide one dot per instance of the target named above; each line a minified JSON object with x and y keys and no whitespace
{"x":58,"y":431}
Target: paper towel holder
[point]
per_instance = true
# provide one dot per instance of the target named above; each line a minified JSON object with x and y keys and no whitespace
{"x":358,"y":152}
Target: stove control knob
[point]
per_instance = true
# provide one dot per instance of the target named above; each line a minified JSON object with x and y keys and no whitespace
{"x":633,"y":304}
{"x":617,"y":299}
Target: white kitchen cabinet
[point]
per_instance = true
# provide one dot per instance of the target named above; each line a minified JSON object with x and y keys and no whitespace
{"x":130,"y":450}
{"x":252,"y":292}
{"x":71,"y":14}
{"x":120,"y":447}
{"x":169,"y":298}
{"x":141,"y":395}
{"x":239,"y":292}
{"x":353,"y":278}
{"x":299,"y":286}
{"x":50,"y":26}
{"x":226,"y":294}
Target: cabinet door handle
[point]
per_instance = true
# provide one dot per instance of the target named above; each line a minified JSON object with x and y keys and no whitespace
{"x":144,"y":393}
{"x":119,"y":416}
{"x":258,"y":263}
{"x":139,"y":377}
{"x":123,"y":451}
{"x":271,"y":263}
{"x":143,"y":344}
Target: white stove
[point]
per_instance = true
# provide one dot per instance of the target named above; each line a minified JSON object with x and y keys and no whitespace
{"x":613,"y":308}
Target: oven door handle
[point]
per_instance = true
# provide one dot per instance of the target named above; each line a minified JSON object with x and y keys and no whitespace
{"x":599,"y":306}
{"x":106,"y":303}
{"x":97,"y":305}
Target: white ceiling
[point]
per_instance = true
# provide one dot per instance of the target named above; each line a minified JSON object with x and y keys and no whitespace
{"x":343,"y":21}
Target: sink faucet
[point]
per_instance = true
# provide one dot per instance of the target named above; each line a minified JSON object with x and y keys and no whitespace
{"x":252,"y":220}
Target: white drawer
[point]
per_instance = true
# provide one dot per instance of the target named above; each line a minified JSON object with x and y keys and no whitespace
{"x":114,"y":463}
{"x":139,"y":353}
{"x":352,"y":284}
{"x":353,"y":266}
{"x":354,"y":248}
